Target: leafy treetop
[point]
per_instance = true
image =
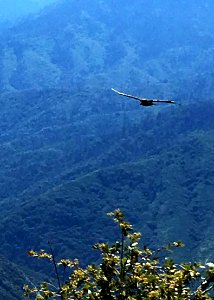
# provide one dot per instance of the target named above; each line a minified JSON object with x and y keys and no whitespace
{"x":127,"y":272}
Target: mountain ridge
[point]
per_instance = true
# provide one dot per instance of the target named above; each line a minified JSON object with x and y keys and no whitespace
{"x":71,"y":150}
{"x":87,"y":49}
{"x":83,"y":195}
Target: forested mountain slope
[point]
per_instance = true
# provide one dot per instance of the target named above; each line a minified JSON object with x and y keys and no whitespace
{"x":72,"y":150}
{"x":12,"y":279}
{"x":165,"y":50}
{"x":47,"y":134}
{"x":83,"y":160}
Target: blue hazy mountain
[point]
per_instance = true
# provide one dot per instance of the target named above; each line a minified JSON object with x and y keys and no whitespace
{"x":72,"y":150}
{"x":70,"y":157}
{"x":166,"y":50}
{"x":12,"y":11}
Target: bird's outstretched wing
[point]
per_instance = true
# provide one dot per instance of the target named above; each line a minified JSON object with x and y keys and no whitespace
{"x":143,"y":99}
{"x":164,"y":101}
{"x":129,"y":96}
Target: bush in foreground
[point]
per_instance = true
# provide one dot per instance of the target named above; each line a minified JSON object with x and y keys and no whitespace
{"x":127,"y":272}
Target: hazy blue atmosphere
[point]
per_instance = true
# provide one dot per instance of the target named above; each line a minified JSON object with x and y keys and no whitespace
{"x":12,"y":11}
{"x":72,"y":150}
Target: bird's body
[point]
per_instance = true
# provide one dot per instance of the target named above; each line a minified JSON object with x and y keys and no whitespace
{"x":144,"y":101}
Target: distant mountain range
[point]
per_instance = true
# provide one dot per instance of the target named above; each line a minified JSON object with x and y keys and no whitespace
{"x":163,"y":49}
{"x":72,"y":150}
{"x":12,"y":11}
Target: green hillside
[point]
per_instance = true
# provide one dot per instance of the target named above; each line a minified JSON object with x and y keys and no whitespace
{"x":55,"y":134}
{"x":13,"y":277}
{"x":80,"y":44}
{"x":154,"y":192}
{"x":154,"y":164}
{"x":72,"y":150}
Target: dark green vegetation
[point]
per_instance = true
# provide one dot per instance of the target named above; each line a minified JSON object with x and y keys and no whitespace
{"x":12,"y":278}
{"x":75,"y":160}
{"x":126,"y":272}
{"x":161,"y":49}
{"x":71,"y":150}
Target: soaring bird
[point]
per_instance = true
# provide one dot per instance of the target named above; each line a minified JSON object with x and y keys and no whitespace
{"x":144,"y":101}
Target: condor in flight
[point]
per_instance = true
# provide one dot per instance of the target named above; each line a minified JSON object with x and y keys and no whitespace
{"x":144,"y":101}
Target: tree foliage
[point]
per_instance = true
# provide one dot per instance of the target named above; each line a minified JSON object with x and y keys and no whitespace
{"x":127,"y":271}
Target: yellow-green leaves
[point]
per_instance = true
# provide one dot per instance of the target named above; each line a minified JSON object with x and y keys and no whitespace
{"x":68,"y":263}
{"x":40,"y":254}
{"x":127,"y":272}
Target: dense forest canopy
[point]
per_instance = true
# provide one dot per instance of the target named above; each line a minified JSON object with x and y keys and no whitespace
{"x":161,"y":49}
